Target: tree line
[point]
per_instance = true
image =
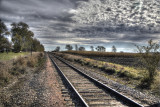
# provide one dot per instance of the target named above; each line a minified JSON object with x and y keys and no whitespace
{"x":81,"y":48}
{"x":22,"y":38}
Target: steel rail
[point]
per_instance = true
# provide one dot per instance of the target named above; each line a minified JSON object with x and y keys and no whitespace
{"x":69,"y":83}
{"x":116,"y":93}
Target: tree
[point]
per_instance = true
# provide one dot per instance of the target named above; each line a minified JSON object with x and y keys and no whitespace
{"x":81,"y":48}
{"x":22,"y":29}
{"x":69,"y":47}
{"x":57,"y":49}
{"x":26,"y":46}
{"x":92,"y":48}
{"x":150,"y":58}
{"x":3,"y":28}
{"x":114,"y":49}
{"x":100,"y":48}
{"x":17,"y":40}
{"x":37,"y":46}
{"x":4,"y":43}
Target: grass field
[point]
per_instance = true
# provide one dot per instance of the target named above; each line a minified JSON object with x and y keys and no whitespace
{"x":102,"y":54}
{"x":111,"y":68}
{"x":11,"y":55}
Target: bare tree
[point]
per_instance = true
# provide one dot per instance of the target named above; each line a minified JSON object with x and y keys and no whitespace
{"x":150,"y":58}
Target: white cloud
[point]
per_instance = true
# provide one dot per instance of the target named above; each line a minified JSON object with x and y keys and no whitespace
{"x":73,"y":11}
{"x":66,"y":42}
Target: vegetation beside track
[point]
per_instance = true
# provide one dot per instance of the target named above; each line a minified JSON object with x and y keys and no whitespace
{"x":123,"y":74}
{"x":110,"y":68}
{"x":12,"y":70}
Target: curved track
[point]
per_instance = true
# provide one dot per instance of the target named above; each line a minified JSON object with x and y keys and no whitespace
{"x":89,"y":91}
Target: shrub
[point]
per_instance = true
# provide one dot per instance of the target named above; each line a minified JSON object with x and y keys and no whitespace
{"x":32,"y":62}
{"x":151,"y":58}
{"x":21,"y":61}
{"x":35,"y":60}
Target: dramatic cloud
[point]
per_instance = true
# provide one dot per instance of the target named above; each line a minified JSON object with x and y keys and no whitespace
{"x":86,"y":22}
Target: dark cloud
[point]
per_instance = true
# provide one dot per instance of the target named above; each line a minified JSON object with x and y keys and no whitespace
{"x":37,"y":9}
{"x":53,"y":24}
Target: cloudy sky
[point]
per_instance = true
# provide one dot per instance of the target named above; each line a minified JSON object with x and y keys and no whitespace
{"x":87,"y":22}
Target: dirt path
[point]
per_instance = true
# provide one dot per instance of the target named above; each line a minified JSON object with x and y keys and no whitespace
{"x":34,"y":90}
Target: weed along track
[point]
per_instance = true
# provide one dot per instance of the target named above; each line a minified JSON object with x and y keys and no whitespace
{"x":89,"y":91}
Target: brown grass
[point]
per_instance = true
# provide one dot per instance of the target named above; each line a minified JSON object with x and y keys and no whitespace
{"x":101,"y":54}
{"x":110,"y":68}
{"x":4,"y":74}
{"x":9,"y":70}
{"x":32,"y":62}
{"x":13,"y":76}
{"x":156,"y":86}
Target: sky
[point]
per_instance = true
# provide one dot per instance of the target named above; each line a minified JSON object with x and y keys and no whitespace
{"x":87,"y":22}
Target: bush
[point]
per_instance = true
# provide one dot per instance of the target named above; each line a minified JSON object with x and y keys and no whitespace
{"x":35,"y":60}
{"x":150,"y":56}
{"x":20,"y":61}
{"x":31,"y":62}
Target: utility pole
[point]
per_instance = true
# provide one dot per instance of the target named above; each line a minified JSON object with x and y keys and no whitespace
{"x":76,"y":47}
{"x":31,"y":49}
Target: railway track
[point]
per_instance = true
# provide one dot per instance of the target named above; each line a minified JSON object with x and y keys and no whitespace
{"x":89,"y":91}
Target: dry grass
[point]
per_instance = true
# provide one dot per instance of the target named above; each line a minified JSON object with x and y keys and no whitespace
{"x":156,"y":85}
{"x":32,"y":62}
{"x":8,"y":71}
{"x":110,"y":68}
{"x":13,"y":76}
{"x":4,"y":73}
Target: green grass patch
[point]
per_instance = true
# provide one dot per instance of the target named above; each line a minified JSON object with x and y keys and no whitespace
{"x":11,"y":55}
